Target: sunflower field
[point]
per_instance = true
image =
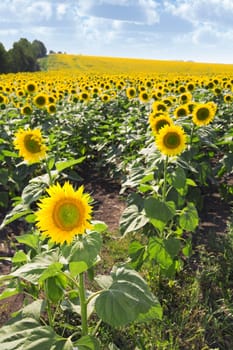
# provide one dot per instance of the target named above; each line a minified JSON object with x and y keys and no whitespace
{"x":163,"y":132}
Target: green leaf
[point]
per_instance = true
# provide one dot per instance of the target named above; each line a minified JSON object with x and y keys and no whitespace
{"x":126,"y":298}
{"x":132,"y":219}
{"x":178,"y":178}
{"x":159,"y":212}
{"x":87,"y":343}
{"x":189,"y":218}
{"x":172,"y":246}
{"x":136,"y":253}
{"x":34,"y":309}
{"x":62,"y":165}
{"x":157,"y":251}
{"x":32,"y":192}
{"x":54,"y":288}
{"x":52,"y":270}
{"x":9,"y":292}
{"x":17,"y":212}
{"x":28,"y":334}
{"x":99,"y":226}
{"x":33,"y":270}
{"x":154,"y":313}
{"x":20,"y":257}
{"x":29,"y":239}
{"x":84,"y":252}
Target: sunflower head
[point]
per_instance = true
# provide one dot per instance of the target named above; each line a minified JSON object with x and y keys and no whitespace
{"x":130,"y":92}
{"x":105,"y":98}
{"x":171,"y":140}
{"x":64,"y":214}
{"x":51,"y":108}
{"x":40,"y":100}
{"x":26,"y":110}
{"x":144,"y":96}
{"x":30,"y":145}
{"x":159,"y":122}
{"x":31,"y":87}
{"x":204,"y":113}
{"x":181,"y":111}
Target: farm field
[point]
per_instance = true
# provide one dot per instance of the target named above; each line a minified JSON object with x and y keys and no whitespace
{"x":116,"y":197}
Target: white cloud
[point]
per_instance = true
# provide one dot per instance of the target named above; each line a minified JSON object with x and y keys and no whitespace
{"x":200,"y":11}
{"x":137,"y":11}
{"x":22,"y":11}
{"x":61,"y":10}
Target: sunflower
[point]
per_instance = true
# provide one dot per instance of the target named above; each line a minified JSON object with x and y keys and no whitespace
{"x":171,"y":140}
{"x":227,"y":98}
{"x":131,"y":92}
{"x":31,"y":87}
{"x":144,"y":96}
{"x":40,"y":100}
{"x":26,"y":110}
{"x":105,"y":98}
{"x":159,"y":122}
{"x":84,"y":96}
{"x":30,"y":145}
{"x":159,"y":106}
{"x":2,"y":98}
{"x":185,"y":97}
{"x":181,"y":111}
{"x":64,"y":214}
{"x":51,"y":108}
{"x":203,"y":113}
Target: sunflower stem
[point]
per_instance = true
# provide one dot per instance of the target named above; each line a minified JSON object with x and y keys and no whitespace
{"x":49,"y":172}
{"x":165,"y":179}
{"x":83,"y":304}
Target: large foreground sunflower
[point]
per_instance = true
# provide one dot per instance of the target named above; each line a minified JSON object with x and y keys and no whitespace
{"x":204,"y":113}
{"x":30,"y":145}
{"x":64,"y":214}
{"x":171,"y":140}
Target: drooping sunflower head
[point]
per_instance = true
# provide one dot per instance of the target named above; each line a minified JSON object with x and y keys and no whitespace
{"x":159,"y":122}
{"x":203,"y":113}
{"x":171,"y":140}
{"x":30,"y":145}
{"x":64,"y":214}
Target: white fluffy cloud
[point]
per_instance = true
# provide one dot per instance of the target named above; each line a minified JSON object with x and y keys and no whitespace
{"x":202,"y":11}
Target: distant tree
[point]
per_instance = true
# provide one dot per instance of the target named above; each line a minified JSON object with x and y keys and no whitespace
{"x":39,"y":49}
{"x":22,"y":57}
{"x":3,"y":59}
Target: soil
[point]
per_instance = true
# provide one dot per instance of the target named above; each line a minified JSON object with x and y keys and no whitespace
{"x":108,"y":207}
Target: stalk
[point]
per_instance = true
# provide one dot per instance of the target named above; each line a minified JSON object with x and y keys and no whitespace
{"x":83,"y":304}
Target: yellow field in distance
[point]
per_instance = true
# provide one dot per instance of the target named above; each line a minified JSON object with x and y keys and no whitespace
{"x":115,"y":65}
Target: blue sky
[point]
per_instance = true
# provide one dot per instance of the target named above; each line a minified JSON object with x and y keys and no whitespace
{"x":198,"y":30}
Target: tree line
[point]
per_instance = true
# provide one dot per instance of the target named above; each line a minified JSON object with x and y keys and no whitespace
{"x":22,"y":57}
